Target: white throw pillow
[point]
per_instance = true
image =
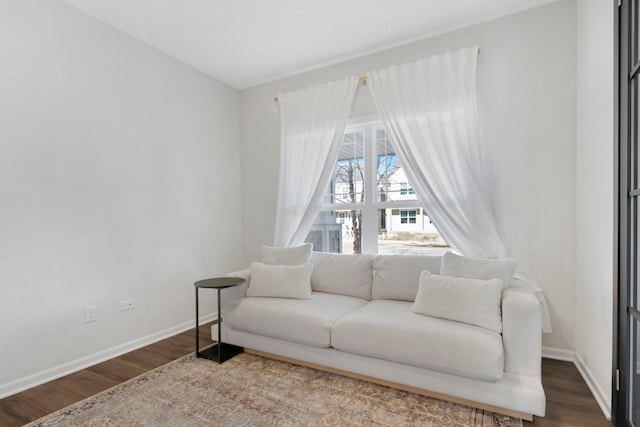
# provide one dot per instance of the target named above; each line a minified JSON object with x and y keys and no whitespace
{"x":287,"y":256}
{"x":479,"y":268}
{"x":280,"y":281}
{"x":472,"y":301}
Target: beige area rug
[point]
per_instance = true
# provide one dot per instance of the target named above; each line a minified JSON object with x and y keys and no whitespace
{"x":250,"y":390}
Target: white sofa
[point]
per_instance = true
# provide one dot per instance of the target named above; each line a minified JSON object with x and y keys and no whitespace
{"x":358,"y":320}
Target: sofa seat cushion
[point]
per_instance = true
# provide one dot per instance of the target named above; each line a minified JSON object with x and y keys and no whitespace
{"x":389,"y":330}
{"x":306,"y":322}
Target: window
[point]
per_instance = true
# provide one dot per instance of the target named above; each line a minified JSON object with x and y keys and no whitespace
{"x":408,"y":217}
{"x":371,"y":201}
{"x":406,"y":189}
{"x":341,"y":217}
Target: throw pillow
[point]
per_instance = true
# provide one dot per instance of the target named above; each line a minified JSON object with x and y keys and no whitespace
{"x":472,"y":301}
{"x":287,"y":256}
{"x":476,"y":268}
{"x":280,"y":281}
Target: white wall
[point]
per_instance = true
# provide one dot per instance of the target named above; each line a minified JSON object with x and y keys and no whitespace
{"x":527,"y":93}
{"x":595,"y":195}
{"x":119,"y":178}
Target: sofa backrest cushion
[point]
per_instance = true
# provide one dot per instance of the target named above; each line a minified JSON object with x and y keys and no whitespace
{"x":479,"y":268}
{"x":396,"y":277}
{"x":342,"y":274}
{"x":287,"y":256}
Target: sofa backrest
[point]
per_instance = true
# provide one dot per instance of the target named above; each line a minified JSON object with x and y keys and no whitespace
{"x":342,"y":274}
{"x":396,"y":277}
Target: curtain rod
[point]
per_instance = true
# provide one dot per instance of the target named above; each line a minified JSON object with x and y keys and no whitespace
{"x":362,"y":79}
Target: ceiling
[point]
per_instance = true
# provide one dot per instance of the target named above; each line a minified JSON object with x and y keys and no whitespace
{"x":245,"y":43}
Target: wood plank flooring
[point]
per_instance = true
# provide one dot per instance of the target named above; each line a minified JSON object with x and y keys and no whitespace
{"x":569,"y":401}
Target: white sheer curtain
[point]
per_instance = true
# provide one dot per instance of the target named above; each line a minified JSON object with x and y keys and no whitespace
{"x":312,"y":123}
{"x":429,"y":109}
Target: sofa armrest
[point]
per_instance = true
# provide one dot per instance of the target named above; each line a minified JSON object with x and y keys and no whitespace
{"x":232,"y":296}
{"x":519,"y":280}
{"x":521,"y":332}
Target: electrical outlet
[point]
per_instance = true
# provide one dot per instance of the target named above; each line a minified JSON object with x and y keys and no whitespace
{"x":90,"y":313}
{"x":127,"y":305}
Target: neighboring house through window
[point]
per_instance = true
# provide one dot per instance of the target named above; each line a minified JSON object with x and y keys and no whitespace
{"x":371,"y":201}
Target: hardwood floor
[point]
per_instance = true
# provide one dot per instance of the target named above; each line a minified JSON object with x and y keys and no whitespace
{"x":39,"y":401}
{"x":569,"y":401}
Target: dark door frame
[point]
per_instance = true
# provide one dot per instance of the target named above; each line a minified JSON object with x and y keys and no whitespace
{"x":627,"y":81}
{"x":618,"y":394}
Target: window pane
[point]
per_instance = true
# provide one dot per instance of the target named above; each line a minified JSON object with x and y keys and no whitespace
{"x":392,"y":183}
{"x":349,"y":173}
{"x":634,"y":252}
{"x":347,"y":223}
{"x":408,"y":231}
{"x":337,"y":231}
{"x":635,"y":138}
{"x":634,"y":370}
{"x":635,"y":38}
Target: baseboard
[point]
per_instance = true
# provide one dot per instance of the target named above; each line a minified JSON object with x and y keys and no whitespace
{"x":51,"y":374}
{"x":558,"y":354}
{"x":596,"y":390}
{"x":594,"y":387}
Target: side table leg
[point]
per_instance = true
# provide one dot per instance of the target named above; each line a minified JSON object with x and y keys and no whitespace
{"x":197,"y":328}
{"x":219,"y":330}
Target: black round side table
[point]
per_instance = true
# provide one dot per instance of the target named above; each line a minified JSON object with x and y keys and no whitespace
{"x":218,"y":352}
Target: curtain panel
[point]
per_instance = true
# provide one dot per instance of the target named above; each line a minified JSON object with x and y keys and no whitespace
{"x":312,"y":124}
{"x":429,"y":109}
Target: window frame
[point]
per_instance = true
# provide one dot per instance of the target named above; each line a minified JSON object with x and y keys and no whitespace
{"x":371,"y":206}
